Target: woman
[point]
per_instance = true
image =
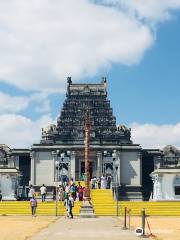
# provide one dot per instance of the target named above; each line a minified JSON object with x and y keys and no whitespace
{"x":80,"y":191}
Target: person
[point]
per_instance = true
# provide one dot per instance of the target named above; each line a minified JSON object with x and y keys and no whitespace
{"x":61,"y":193}
{"x":31,"y":192}
{"x":23,"y":194}
{"x":80,"y":191}
{"x":67,"y":189}
{"x":103,"y":182}
{"x":0,"y":196}
{"x":43,"y":192}
{"x":66,"y":204}
{"x":70,"y":206}
{"x":73,"y":191}
{"x":93,"y":182}
{"x":109,"y":180}
{"x":54,"y":193}
{"x":71,"y":182}
{"x":33,"y":205}
{"x":99,"y":183}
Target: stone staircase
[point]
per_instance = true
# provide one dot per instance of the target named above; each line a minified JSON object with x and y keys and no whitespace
{"x":43,"y":208}
{"x":103,"y":203}
{"x":165,"y":208}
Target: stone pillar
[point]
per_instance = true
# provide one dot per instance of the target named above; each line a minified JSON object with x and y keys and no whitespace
{"x":99,"y":164}
{"x":178,"y":164}
{"x":157,"y":162}
{"x":72,"y":163}
{"x":16,"y":161}
{"x":118,"y":156}
{"x":54,"y":155}
{"x":13,"y":161}
{"x":140,"y":167}
{"x":32,"y":155}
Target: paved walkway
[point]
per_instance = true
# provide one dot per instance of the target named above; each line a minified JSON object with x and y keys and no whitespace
{"x":87,"y":229}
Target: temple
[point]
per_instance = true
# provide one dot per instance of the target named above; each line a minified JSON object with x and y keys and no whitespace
{"x":112,"y":152}
{"x":65,"y":141}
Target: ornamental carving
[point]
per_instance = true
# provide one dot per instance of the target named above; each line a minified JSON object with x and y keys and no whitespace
{"x":4,"y":154}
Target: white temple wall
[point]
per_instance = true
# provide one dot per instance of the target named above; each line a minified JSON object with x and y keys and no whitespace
{"x":8,"y":186}
{"x":167,"y":187}
{"x":44,"y":168}
{"x":130,"y":168}
{"x":164,"y":187}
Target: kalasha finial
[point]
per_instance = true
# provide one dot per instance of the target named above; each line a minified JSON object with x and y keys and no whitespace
{"x":104,"y":80}
{"x":104,"y":84}
{"x":69,"y":81}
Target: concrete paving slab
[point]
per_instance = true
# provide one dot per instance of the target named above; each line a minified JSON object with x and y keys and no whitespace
{"x":86,"y":229}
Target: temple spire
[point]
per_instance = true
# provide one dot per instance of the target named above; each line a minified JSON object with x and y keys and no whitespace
{"x":69,"y":81}
{"x":104,"y":81}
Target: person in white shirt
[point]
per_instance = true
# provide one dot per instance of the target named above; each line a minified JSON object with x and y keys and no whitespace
{"x":31,"y":192}
{"x":103,"y":182}
{"x":70,"y":206}
{"x":43,"y":193}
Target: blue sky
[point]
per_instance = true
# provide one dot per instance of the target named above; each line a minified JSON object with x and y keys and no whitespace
{"x":135,"y":46}
{"x":152,"y":86}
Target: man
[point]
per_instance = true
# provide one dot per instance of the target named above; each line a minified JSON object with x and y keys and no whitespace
{"x":33,"y":205}
{"x":0,"y":196}
{"x":66,"y":204}
{"x":43,"y":193}
{"x":109,"y":179}
{"x":31,"y":192}
{"x":71,"y":205}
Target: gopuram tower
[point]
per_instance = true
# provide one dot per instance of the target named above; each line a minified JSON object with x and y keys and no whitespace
{"x":111,"y":151}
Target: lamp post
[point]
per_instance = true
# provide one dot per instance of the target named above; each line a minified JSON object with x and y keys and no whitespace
{"x":62,"y":155}
{"x":115,"y":164}
{"x":57,"y":174}
{"x":59,"y":165}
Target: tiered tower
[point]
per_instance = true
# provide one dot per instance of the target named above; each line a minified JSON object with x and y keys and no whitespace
{"x":71,"y":122}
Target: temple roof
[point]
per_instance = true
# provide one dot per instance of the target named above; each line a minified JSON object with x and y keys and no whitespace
{"x":86,"y":89}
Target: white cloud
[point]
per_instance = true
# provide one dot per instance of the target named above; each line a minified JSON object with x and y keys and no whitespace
{"x":15,"y":104}
{"x":19,"y":131}
{"x":41,"y":42}
{"x":156,"y":136}
{"x":12,"y":103}
{"x":42,"y":101}
{"x":151,"y":10}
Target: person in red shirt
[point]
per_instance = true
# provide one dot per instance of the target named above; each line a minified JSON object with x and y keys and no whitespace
{"x":80,"y":191}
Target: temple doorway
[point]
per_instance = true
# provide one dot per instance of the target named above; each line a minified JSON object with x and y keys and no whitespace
{"x":82,"y":170}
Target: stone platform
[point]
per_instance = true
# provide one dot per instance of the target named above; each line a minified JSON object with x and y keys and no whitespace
{"x":86,"y":210}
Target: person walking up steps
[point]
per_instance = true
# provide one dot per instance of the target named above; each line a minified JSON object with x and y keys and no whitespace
{"x":66,"y":204}
{"x":70,"y":205}
{"x":33,"y":205}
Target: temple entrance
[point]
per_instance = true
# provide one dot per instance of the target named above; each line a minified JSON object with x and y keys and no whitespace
{"x":82,"y":170}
